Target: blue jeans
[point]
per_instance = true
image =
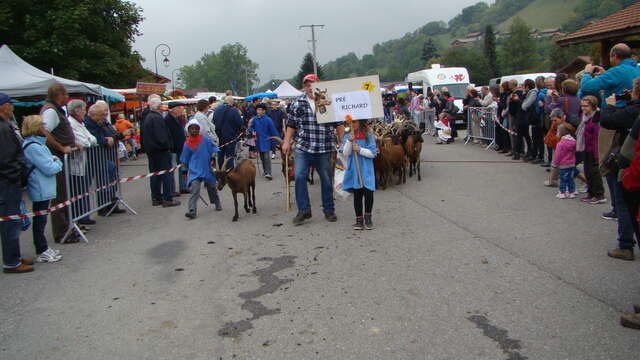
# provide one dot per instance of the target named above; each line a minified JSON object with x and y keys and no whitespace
{"x":107,"y":196}
{"x":228,"y":151}
{"x":10,"y":196}
{"x":612,"y":178}
{"x":161,"y":185}
{"x":626,"y":230}
{"x":131,"y":142}
{"x":79,"y":185}
{"x":322,"y":163}
{"x":567,"y":181}
{"x":39,"y":224}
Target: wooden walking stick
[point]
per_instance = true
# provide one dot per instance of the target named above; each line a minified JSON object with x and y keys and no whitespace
{"x":286,"y":181}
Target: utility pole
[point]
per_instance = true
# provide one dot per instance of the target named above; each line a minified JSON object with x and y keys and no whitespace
{"x":313,"y":44}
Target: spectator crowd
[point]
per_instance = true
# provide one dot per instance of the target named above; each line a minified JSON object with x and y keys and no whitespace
{"x":583,"y":128}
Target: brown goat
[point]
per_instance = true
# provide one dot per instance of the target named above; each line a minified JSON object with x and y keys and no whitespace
{"x":241,"y":179}
{"x":391,"y":158}
{"x":413,"y":148}
{"x":290,"y":172}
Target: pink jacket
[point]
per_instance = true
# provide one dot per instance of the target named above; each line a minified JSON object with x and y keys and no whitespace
{"x":565,"y":155}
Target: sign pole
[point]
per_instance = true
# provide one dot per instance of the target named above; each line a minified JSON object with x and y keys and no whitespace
{"x":355,"y":153}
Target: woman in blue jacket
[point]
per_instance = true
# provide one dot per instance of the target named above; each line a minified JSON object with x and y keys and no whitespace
{"x":42,"y":167}
{"x":359,"y":146}
{"x":262,"y":128}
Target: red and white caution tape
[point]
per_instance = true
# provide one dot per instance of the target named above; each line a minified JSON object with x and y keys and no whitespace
{"x":80,"y":196}
{"x":232,"y":141}
{"x":511,"y":132}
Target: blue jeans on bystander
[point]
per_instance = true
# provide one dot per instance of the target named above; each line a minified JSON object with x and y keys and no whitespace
{"x":322,"y":164}
{"x":39,"y":224}
{"x":10,"y":196}
{"x":567,"y":180}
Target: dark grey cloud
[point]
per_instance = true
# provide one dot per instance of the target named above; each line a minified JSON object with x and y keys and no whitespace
{"x":269,"y":29}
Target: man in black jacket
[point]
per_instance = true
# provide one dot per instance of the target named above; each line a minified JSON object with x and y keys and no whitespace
{"x":158,"y":145}
{"x":12,"y":167}
{"x":621,"y":120}
{"x":178,"y":136}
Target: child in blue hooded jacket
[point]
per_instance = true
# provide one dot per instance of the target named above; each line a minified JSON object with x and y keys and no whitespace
{"x":262,"y":128}
{"x":359,"y":146}
{"x":42,"y":168}
{"x":197,"y":154}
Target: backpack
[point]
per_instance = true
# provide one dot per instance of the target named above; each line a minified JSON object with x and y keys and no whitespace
{"x":24,"y":181}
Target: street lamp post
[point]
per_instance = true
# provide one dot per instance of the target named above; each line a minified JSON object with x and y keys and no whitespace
{"x":173,"y":83}
{"x":165,"y":51}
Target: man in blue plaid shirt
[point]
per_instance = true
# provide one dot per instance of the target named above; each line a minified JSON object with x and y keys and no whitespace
{"x":314,"y":144}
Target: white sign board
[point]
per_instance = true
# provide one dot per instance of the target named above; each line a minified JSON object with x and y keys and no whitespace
{"x":356,"y":103}
{"x":357,"y":97}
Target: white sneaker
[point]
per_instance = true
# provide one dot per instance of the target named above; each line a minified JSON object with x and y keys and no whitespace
{"x":48,"y":256}
{"x":273,"y":156}
{"x":583,"y":189}
{"x":570,"y":195}
{"x":561,"y":195}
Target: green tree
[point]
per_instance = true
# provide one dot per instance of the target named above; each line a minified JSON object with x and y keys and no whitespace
{"x":469,"y":15}
{"x":230,"y":68}
{"x":434,"y":28}
{"x":429,"y":51}
{"x":561,"y":56}
{"x":519,"y":52}
{"x":490,"y":51}
{"x":471,"y":57}
{"x":306,"y":68}
{"x":86,"y":40}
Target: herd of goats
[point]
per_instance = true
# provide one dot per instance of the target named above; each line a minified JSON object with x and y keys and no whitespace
{"x":399,"y":146}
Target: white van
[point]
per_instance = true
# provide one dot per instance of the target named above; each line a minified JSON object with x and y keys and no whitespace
{"x":522,"y":77}
{"x":455,"y":79}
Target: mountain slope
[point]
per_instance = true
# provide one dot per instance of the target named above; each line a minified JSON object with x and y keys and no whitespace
{"x":544,"y":14}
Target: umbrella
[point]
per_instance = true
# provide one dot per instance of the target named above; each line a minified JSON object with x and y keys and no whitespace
{"x":261,"y":96}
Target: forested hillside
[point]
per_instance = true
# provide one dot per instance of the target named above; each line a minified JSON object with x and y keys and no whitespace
{"x":393,"y":59}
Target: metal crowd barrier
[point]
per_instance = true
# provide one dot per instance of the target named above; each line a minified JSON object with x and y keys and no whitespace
{"x":481,"y":125}
{"x":92,"y":174}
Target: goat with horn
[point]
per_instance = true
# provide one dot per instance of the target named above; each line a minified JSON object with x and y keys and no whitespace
{"x":241,"y":180}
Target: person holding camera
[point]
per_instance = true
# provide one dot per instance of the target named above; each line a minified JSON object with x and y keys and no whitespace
{"x":620,"y":120}
{"x":615,"y":80}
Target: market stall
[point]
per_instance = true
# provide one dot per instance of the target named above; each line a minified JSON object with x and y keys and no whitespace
{"x":286,"y":90}
{"x":24,"y":82}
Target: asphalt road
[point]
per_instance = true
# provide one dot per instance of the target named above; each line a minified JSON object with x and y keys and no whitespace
{"x":476,"y":261}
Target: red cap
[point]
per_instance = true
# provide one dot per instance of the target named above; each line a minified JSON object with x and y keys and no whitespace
{"x":310,"y":77}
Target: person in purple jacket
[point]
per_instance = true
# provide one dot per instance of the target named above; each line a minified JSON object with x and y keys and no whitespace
{"x":587,"y":142}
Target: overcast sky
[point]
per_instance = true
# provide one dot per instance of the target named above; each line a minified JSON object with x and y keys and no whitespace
{"x":269,"y":29}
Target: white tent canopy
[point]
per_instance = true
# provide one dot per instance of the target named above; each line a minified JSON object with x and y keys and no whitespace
{"x":286,"y":90}
{"x":20,"y":79}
